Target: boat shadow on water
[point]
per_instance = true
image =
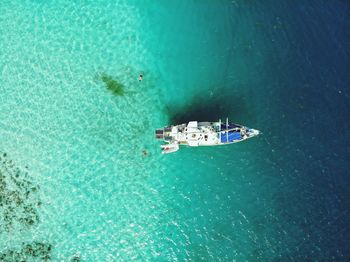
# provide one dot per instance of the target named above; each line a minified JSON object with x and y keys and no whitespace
{"x":212,"y":108}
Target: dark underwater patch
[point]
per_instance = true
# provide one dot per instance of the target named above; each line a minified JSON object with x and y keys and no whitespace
{"x":211,"y":108}
{"x":37,"y":250}
{"x":113,"y":85}
{"x":18,"y":196}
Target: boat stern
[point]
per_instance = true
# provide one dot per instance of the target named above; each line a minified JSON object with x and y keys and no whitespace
{"x":159,"y":134}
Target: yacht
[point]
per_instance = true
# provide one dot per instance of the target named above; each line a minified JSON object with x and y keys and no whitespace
{"x":196,"y":133}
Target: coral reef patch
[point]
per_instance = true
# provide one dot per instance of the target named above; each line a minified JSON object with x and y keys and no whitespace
{"x":36,"y":250}
{"x":19,"y":199}
{"x":113,"y":85}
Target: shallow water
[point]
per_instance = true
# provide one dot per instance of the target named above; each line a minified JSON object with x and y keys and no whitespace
{"x":105,"y":191}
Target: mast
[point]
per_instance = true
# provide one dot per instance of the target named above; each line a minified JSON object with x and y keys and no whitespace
{"x":220,"y":130}
{"x":227,"y":129}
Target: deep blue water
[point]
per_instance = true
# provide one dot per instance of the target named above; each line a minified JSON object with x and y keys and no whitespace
{"x":307,"y":126}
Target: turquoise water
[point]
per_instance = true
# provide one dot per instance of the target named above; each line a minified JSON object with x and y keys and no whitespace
{"x":91,"y":184}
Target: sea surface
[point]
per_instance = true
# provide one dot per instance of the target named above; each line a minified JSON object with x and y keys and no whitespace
{"x":82,"y":177}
